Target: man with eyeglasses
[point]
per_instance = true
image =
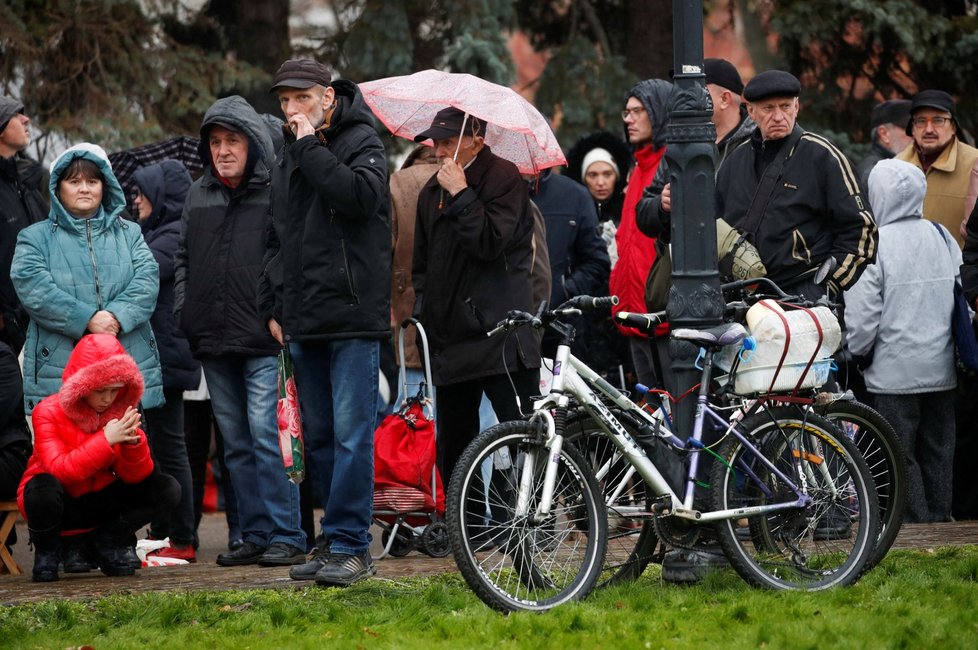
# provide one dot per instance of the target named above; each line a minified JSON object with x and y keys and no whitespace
{"x":645,"y":116}
{"x":795,"y":194}
{"x":948,"y":163}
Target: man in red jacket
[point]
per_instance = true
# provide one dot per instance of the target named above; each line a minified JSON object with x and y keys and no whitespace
{"x":91,"y":469}
{"x":645,"y":115}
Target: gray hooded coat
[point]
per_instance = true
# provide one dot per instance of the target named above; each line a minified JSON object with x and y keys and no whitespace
{"x":900,"y":308}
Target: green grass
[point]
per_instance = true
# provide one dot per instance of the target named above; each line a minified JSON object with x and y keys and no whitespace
{"x":914,"y":599}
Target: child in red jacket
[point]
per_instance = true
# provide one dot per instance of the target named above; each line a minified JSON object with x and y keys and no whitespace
{"x":91,"y":471}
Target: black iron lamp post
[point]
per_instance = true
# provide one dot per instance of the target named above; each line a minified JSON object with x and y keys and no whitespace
{"x":695,"y":300}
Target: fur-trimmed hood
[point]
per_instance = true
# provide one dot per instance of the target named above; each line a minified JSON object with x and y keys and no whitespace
{"x":97,"y":361}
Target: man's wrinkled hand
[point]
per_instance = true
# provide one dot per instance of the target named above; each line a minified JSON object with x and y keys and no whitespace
{"x":276,"y":331}
{"x":451,"y":177}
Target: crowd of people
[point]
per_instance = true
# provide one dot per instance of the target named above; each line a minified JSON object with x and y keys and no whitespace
{"x":296,"y":237}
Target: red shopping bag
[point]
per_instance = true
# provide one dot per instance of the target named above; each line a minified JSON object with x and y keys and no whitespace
{"x":404,"y":459}
{"x":290,"y":420}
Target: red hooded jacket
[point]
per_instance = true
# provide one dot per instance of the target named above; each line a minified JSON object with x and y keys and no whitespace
{"x":69,"y":442}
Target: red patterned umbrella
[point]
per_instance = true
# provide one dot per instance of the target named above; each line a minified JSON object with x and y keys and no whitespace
{"x":515,"y":129}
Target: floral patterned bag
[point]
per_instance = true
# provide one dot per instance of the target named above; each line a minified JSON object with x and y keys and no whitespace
{"x":290,"y":420}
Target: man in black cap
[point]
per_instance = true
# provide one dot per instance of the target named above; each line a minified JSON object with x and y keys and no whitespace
{"x":733,"y":126}
{"x":472,"y":264}
{"x":950,"y":165}
{"x":325,"y":293}
{"x":795,"y":194}
{"x":22,"y":202}
{"x":888,"y":121}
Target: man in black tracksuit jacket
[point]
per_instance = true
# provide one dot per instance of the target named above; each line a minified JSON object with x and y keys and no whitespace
{"x":325,"y":293}
{"x":816,"y":209}
{"x":472,"y":261}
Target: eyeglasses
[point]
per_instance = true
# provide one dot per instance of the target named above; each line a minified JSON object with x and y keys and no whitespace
{"x":938,"y":122}
{"x":638,"y":110}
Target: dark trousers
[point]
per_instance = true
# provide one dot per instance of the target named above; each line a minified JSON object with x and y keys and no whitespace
{"x":167,"y":440}
{"x":457,"y":417}
{"x":925,"y":424}
{"x":117,"y":511}
{"x":13,"y":462}
{"x":964,"y":492}
{"x":200,"y":428}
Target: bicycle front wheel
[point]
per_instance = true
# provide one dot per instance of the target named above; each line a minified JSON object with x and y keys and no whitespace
{"x":886,"y":459}
{"x":514,"y":559}
{"x":826,"y":544}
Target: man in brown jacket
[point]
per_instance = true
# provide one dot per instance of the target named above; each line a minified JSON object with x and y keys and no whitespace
{"x":948,"y":163}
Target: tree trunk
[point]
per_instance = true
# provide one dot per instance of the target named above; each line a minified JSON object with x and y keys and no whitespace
{"x":649,"y":40}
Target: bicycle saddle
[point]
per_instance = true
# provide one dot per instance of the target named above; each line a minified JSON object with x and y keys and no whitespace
{"x":714,"y":337}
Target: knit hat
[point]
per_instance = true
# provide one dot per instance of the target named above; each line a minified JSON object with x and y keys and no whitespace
{"x":722,"y":73}
{"x":8,"y":108}
{"x":772,"y":83}
{"x":598,"y":155}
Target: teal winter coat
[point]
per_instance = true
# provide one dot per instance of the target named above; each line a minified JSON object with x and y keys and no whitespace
{"x":65,"y":269}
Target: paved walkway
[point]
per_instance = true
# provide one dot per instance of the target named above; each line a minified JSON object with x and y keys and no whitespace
{"x":206,"y":574}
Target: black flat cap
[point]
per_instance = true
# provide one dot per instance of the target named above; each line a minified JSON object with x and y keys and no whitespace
{"x":772,"y":83}
{"x":931,"y":99}
{"x":301,"y":73}
{"x":722,"y":73}
{"x":892,"y":111}
{"x":448,"y":123}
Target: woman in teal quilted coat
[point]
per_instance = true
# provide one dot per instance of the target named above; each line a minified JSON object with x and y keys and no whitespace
{"x":86,"y":269}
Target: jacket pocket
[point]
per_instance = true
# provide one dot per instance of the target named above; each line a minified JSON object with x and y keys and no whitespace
{"x":347,"y":270}
{"x":799,"y":247}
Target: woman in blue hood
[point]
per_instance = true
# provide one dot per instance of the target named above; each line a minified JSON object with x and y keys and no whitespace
{"x":162,"y":190}
{"x":85,"y":270}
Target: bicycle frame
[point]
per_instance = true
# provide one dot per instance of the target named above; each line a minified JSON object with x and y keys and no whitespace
{"x":572,"y":378}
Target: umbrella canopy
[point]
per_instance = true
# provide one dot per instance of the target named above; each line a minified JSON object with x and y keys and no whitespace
{"x":515,"y":129}
{"x":126,"y":162}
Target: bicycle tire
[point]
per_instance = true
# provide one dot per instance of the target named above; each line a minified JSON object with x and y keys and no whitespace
{"x":510,"y":562}
{"x":883,"y":450}
{"x":824,"y":545}
{"x":632,"y":541}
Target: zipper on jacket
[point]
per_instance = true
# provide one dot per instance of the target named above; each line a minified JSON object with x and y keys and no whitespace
{"x":91,"y":253}
{"x":349,"y":273}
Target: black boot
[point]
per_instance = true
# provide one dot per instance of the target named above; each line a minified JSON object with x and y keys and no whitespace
{"x":113,"y":550}
{"x":75,"y":557}
{"x":47,"y":555}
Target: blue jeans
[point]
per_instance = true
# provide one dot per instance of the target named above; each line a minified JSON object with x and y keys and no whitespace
{"x":337,"y":385}
{"x":244,"y":396}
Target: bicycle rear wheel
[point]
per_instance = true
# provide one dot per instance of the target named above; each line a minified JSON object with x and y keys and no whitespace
{"x":632,"y":540}
{"x":826,"y":544}
{"x":512,"y":561}
{"x":884,"y":454}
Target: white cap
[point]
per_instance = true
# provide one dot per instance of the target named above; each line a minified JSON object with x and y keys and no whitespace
{"x":598,"y":155}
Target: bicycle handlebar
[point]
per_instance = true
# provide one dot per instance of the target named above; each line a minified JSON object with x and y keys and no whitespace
{"x":643,"y":322}
{"x":575,"y":305}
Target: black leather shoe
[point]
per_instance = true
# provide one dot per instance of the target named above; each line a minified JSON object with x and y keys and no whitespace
{"x":308,"y":571}
{"x":113,"y":560}
{"x":833,"y":524}
{"x":247,"y":553}
{"x":343,"y":569}
{"x":46,"y":564}
{"x":282,"y":554}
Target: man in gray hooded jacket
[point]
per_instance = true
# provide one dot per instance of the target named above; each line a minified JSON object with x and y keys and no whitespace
{"x":899,"y":313}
